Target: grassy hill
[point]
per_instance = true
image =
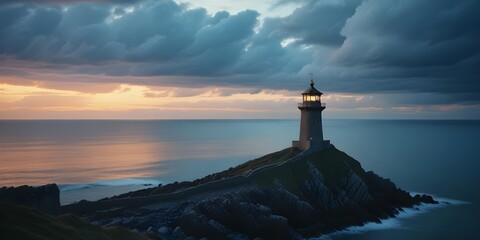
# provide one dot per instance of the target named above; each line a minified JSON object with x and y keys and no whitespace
{"x":332,"y":163}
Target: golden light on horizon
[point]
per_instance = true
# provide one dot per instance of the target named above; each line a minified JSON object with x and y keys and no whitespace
{"x":127,"y":97}
{"x":12,"y":93}
{"x":128,"y":101}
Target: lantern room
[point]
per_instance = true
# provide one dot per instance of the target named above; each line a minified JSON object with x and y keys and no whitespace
{"x":311,"y":94}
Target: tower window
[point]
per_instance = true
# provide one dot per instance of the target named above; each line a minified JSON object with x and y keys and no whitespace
{"x":311,"y":98}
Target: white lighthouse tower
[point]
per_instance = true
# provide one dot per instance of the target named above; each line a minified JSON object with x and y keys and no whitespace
{"x":311,"y":133}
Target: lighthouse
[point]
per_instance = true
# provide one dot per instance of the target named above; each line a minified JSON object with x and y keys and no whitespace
{"x":311,"y":132}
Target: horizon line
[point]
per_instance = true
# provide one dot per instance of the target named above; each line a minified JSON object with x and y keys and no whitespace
{"x":213,"y":119}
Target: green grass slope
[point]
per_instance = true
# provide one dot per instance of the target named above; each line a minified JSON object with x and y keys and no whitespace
{"x":332,"y":163}
{"x":272,"y":158}
{"x":18,"y":222}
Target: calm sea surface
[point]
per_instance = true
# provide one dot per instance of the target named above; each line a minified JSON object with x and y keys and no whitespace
{"x":92,"y":159}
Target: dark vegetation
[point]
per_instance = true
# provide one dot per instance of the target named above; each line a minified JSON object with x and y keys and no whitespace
{"x":19,"y":222}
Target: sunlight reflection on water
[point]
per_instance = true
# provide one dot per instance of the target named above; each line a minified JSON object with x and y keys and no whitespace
{"x":66,"y":152}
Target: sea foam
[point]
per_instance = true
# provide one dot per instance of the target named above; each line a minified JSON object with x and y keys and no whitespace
{"x":396,"y":222}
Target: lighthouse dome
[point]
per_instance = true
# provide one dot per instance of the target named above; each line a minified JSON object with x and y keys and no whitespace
{"x":312,"y":90}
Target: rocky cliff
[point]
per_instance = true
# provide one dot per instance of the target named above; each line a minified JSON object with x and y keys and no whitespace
{"x":44,"y":198}
{"x":306,"y":195}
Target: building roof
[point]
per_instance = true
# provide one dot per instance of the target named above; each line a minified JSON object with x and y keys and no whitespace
{"x":312,"y":90}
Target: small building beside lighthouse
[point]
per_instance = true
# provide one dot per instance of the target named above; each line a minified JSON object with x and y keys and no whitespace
{"x":311,"y":132}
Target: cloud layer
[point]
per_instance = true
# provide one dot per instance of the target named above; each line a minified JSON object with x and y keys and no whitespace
{"x":428,"y":48}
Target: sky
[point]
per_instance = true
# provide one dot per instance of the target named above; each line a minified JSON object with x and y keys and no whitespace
{"x":186,"y":59}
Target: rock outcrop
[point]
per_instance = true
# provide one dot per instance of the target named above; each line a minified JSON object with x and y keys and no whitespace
{"x":305,"y":196}
{"x":44,"y":198}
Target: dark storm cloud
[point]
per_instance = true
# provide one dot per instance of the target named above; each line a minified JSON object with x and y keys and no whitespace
{"x":320,"y":22}
{"x":157,"y":37}
{"x":388,"y":33}
{"x":410,"y":46}
{"x":67,"y":1}
{"x":407,"y":46}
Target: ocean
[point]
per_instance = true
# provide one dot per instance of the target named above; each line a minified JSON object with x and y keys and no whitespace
{"x":92,"y":159}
